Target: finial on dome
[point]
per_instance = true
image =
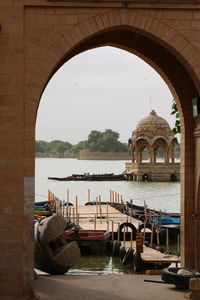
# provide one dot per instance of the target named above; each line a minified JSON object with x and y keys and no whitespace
{"x":153,"y":112}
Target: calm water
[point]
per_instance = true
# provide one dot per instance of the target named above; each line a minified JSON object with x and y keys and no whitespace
{"x":165,"y":196}
{"x":158,"y":195}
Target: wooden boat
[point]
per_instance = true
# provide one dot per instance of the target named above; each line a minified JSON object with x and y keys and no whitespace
{"x":53,"y":254}
{"x":164,"y":220}
{"x":89,"y":241}
{"x":139,"y":212}
{"x":91,"y":177}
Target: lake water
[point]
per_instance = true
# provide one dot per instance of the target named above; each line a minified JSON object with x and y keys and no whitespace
{"x":158,"y":195}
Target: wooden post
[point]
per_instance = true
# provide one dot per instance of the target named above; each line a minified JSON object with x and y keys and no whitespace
{"x":131,"y":239}
{"x":100,"y":210}
{"x":67,"y":206}
{"x":178,"y":245}
{"x":117,"y":197}
{"x":73,"y":209}
{"x":69,"y":213}
{"x":49,"y":196}
{"x":152,"y":228}
{"x":107,"y":214}
{"x":76,"y":203}
{"x":78,"y":216}
{"x":144,"y":229}
{"x":112,"y":231}
{"x":62,"y":208}
{"x":76,"y":210}
{"x":124,"y":235}
{"x":110,"y":195}
{"x":121,"y":199}
{"x":131,"y":211}
{"x":100,"y":205}
{"x":95,"y":222}
{"x":97,"y":206}
{"x":89,"y":195}
{"x":118,"y":232}
{"x":68,"y":195}
{"x":66,"y":212}
{"x":167,"y":240}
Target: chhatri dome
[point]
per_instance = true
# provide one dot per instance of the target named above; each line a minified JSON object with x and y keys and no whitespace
{"x":154,"y":124}
{"x":152,"y":146}
{"x":152,"y":128}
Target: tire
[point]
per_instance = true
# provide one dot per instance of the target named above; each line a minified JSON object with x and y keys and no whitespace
{"x":128,"y":257}
{"x":130,"y":225}
{"x":138,"y":265}
{"x":181,"y":281}
{"x":89,"y":203}
{"x":141,"y":226}
{"x":122,"y":252}
{"x":116,"y":246}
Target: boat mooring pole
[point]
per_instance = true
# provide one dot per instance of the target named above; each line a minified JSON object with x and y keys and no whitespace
{"x":73,"y":209}
{"x":112,"y":231}
{"x":167,"y":239}
{"x":95,"y":222}
{"x":97,"y":206}
{"x":131,"y":210}
{"x":131,"y":239}
{"x":178,"y":245}
{"x":118,"y":232}
{"x":89,"y":195}
{"x":107,"y":214}
{"x":124,"y":235}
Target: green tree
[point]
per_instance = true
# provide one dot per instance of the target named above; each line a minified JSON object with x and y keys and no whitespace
{"x":174,"y":111}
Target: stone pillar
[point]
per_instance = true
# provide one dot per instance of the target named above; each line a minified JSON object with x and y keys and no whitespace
{"x":172,"y":151}
{"x":196,"y":214}
{"x":166,"y":156}
{"x":17,"y":190}
{"x":187,"y":179}
{"x":132,"y":154}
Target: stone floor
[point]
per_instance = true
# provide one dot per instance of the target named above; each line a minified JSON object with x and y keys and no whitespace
{"x":105,"y":287}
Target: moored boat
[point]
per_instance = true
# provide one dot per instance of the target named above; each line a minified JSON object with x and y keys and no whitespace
{"x":89,"y":241}
{"x":91,"y":177}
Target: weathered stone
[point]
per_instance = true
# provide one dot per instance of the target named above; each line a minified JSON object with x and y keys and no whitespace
{"x":165,"y":34}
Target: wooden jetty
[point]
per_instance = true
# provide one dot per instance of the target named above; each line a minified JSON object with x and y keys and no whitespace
{"x":106,"y":217}
{"x":103,"y":216}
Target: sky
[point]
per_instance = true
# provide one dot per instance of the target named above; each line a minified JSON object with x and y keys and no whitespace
{"x":103,"y":88}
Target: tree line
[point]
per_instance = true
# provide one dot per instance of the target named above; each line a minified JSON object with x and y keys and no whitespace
{"x":106,"y":141}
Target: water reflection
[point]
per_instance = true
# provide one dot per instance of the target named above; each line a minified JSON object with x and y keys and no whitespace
{"x":100,"y":265}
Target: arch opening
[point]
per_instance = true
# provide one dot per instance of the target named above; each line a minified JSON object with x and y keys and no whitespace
{"x":175,"y":77}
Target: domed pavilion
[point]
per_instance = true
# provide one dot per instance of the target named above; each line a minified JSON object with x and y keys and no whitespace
{"x":152,"y":147}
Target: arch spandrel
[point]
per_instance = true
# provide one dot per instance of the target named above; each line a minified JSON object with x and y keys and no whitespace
{"x":146,"y":25}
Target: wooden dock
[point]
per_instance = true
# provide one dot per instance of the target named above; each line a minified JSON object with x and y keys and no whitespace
{"x":101,"y":217}
{"x":105,"y":217}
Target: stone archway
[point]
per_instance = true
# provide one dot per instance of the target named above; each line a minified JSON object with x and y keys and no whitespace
{"x":45,"y":35}
{"x":120,"y":29}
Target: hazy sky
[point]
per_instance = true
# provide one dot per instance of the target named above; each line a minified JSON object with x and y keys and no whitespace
{"x":104,"y":88}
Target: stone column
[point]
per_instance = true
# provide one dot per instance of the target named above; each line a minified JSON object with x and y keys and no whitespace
{"x":196,"y":214}
{"x":16,"y":211}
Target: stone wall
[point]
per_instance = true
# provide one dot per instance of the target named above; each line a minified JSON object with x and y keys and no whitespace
{"x":88,"y":155}
{"x":36,"y":38}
